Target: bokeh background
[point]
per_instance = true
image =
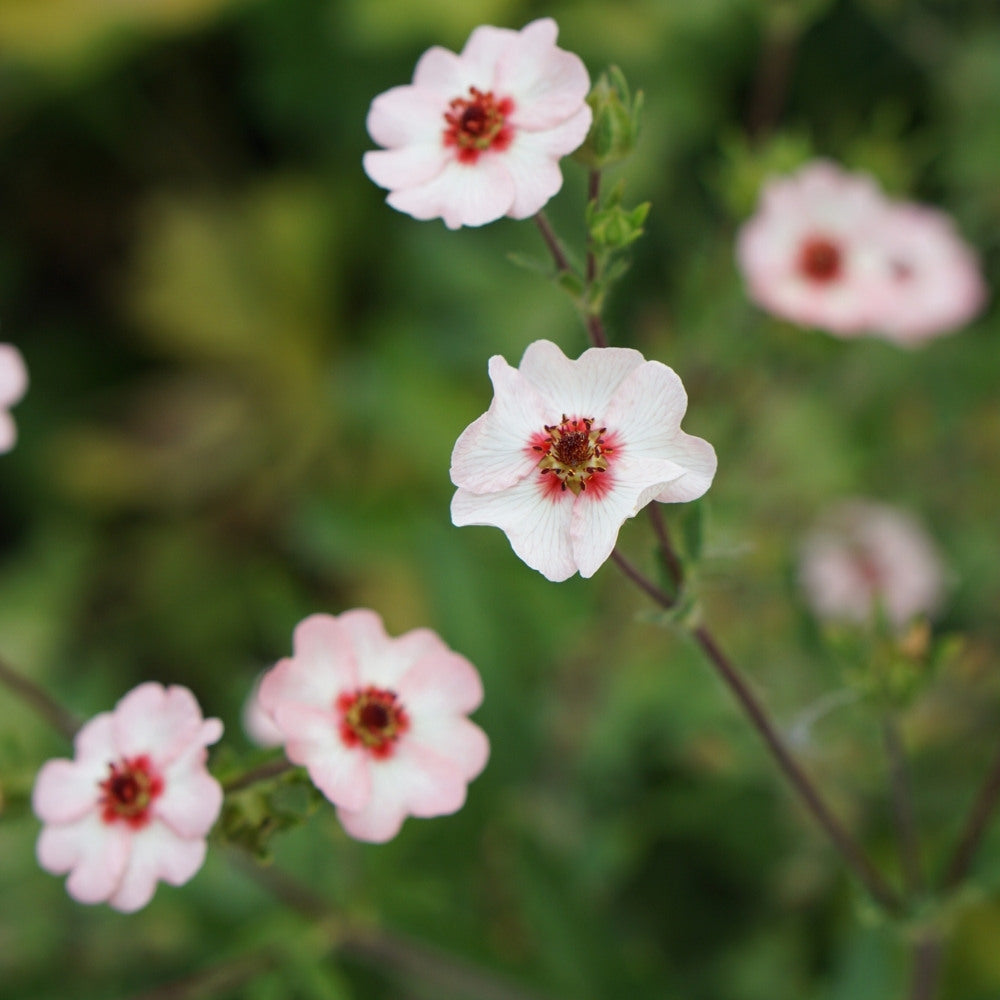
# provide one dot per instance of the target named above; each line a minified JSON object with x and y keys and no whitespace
{"x":247,"y":377}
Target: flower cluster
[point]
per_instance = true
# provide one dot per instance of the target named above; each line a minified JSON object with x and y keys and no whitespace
{"x":827,"y":248}
{"x":13,"y":383}
{"x":135,"y":804}
{"x":865,"y":559}
{"x":478,"y":135}
{"x":569,"y":450}
{"x":378,"y":722}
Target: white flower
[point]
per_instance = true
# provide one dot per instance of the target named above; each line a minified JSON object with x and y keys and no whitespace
{"x":477,"y":136}
{"x":135,"y":804}
{"x":568,"y":450}
{"x":378,"y":722}
{"x":866,"y":557}
{"x":13,"y":383}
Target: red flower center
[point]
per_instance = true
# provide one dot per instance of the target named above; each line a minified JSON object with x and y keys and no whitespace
{"x":372,"y":718}
{"x":820,"y":259}
{"x":573,"y":456}
{"x":477,"y":123}
{"x":128,"y":791}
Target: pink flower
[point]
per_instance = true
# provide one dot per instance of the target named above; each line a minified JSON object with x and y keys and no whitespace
{"x":379,"y":723}
{"x":568,"y":450}
{"x":135,"y":804}
{"x":812,"y":252}
{"x":479,"y":135}
{"x":867,"y":557}
{"x":13,"y":383}
{"x":934,"y":283}
{"x":257,"y":724}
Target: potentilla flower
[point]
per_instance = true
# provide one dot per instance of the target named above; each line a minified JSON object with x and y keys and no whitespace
{"x":568,"y":450}
{"x":477,"y":136}
{"x":934,"y":281}
{"x":135,"y":804}
{"x":865,"y":559}
{"x":13,"y":383}
{"x":813,"y":254}
{"x":378,"y":722}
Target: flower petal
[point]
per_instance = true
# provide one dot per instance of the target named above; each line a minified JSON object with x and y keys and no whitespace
{"x":581,"y":388}
{"x":382,"y":660}
{"x":536,"y":525}
{"x":490,"y":454}
{"x":407,"y":166}
{"x":192,"y":798}
{"x":441,"y":683}
{"x":340,"y":772}
{"x":461,"y":195}
{"x":158,"y":854}
{"x":13,"y":375}
{"x":93,"y":852}
{"x":65,"y":791}
{"x":405,"y":115}
{"x":158,"y":721}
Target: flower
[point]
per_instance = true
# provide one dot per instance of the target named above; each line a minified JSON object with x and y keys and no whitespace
{"x":934,"y":282}
{"x":867,"y":558}
{"x":812,"y":251}
{"x":478,"y":135}
{"x":13,"y":383}
{"x":378,"y":722}
{"x":257,"y":724}
{"x":135,"y":804}
{"x":569,"y":449}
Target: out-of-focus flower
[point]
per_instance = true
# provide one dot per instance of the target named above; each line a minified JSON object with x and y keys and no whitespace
{"x":812,"y":252}
{"x":479,"y":135}
{"x":379,"y":723}
{"x":13,"y":383}
{"x":864,"y":559}
{"x":257,"y":724}
{"x":826,"y":248}
{"x":934,"y":282}
{"x":568,"y":450}
{"x":135,"y":804}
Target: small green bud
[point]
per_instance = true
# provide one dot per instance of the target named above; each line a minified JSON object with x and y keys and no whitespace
{"x":615,"y":126}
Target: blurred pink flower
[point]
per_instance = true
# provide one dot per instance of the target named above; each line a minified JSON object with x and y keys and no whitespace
{"x":568,"y":450}
{"x":479,"y":135}
{"x":135,"y":804}
{"x":257,"y":724}
{"x":866,"y":557}
{"x":934,"y":282}
{"x":811,"y":253}
{"x":13,"y":383}
{"x":379,"y":723}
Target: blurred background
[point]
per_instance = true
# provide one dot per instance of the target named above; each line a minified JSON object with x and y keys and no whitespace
{"x":247,"y":377}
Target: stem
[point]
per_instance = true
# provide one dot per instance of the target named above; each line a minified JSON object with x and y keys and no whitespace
{"x":902,"y":802}
{"x":975,"y":828}
{"x":262,"y":772}
{"x":774,"y":68}
{"x":62,"y":720}
{"x":927,"y":956}
{"x":848,"y":847}
{"x":593,"y":194}
{"x":552,"y":242}
{"x":596,"y":330}
{"x":408,"y":959}
{"x":674,"y":566}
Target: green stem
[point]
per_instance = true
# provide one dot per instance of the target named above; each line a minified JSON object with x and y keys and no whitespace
{"x":849,"y":849}
{"x":61,"y":719}
{"x":262,"y":772}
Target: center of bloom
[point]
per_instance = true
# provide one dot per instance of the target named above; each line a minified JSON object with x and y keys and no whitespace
{"x":820,"y":259}
{"x":573,"y":455}
{"x":128,"y":791}
{"x":372,"y":718}
{"x":477,"y":123}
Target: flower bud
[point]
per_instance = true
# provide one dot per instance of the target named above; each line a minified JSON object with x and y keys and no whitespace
{"x":615,"y":127}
